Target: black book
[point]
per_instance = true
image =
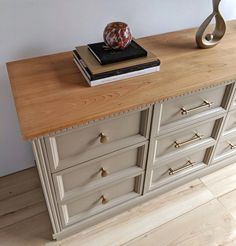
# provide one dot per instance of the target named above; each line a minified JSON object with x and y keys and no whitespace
{"x":108,"y":56}
{"x":91,"y":76}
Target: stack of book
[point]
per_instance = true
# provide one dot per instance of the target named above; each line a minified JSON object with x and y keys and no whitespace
{"x":100,"y":65}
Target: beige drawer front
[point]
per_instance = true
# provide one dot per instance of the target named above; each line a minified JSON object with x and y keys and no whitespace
{"x":168,"y":172}
{"x":85,"y":177}
{"x":185,"y":139}
{"x":226,"y":148}
{"x":230,"y":124}
{"x":79,"y":145}
{"x":233,"y":104}
{"x":103,"y":199}
{"x":187,"y":106}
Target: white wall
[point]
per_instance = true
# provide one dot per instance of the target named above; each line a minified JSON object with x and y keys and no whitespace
{"x":37,"y":27}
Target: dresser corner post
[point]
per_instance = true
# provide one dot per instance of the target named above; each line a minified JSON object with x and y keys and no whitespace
{"x":46,"y":184}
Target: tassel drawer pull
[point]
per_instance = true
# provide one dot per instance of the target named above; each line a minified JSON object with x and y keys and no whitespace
{"x":104,"y":200}
{"x":103,"y":138}
{"x":103,"y":172}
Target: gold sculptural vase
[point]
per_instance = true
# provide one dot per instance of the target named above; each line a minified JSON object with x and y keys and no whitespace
{"x":210,"y":40}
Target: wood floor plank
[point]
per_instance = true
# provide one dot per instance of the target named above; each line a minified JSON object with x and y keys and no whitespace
{"x":188,"y":213}
{"x":18,"y":183}
{"x":229,"y":202}
{"x":21,"y":201}
{"x":221,"y":181}
{"x":207,"y":225}
{"x":22,"y":214}
{"x":35,"y":231}
{"x":143,"y":218}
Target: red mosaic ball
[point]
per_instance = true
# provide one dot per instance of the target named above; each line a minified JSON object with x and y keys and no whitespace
{"x":117,"y":35}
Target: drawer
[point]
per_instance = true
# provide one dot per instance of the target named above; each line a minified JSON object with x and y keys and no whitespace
{"x":99,"y":201}
{"x":201,"y":103}
{"x":230,"y":124}
{"x":83,"y":178}
{"x":233,"y":104}
{"x":167,"y":172}
{"x":82,"y":144}
{"x":188,"y":138}
{"x":226,"y":148}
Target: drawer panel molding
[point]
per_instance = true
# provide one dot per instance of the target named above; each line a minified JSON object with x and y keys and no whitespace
{"x":230,"y":124}
{"x":77,"y":146}
{"x":233,"y":103}
{"x":165,"y":172}
{"x":106,"y":198}
{"x":182,"y":140}
{"x":186,"y":106}
{"x":225,"y":148}
{"x":89,"y":176}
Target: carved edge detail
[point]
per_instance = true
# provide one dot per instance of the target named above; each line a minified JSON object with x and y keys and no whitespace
{"x":227,"y":82}
{"x":110,"y":116}
{"x":114,"y":115}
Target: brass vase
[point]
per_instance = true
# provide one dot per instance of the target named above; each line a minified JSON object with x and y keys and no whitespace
{"x":211,"y":39}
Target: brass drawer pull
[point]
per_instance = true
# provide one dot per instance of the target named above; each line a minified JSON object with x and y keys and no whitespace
{"x":232,"y":146}
{"x":205,"y":104}
{"x":193,"y":139}
{"x":104,"y":200}
{"x":186,"y":166}
{"x":103,"y":138}
{"x":103,"y":172}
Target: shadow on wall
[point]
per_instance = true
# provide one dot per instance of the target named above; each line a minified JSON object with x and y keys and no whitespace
{"x":14,"y":151}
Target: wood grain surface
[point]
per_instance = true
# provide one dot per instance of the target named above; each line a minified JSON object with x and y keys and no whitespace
{"x":207,"y":225}
{"x":51,"y":94}
{"x":187,"y":215}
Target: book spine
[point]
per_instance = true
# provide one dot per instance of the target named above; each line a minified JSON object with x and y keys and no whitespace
{"x":120,"y":59}
{"x":82,"y":71}
{"x":83,"y":66}
{"x":124,"y":76}
{"x":127,"y":70}
{"x":118,"y":71}
{"x":116,"y":77}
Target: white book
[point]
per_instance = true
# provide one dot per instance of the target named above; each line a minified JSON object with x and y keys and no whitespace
{"x":115,"y":77}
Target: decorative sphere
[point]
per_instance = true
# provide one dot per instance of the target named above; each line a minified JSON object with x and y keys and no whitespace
{"x":117,"y":35}
{"x":209,"y":37}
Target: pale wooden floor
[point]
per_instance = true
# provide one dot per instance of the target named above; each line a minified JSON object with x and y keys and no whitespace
{"x":200,"y":213}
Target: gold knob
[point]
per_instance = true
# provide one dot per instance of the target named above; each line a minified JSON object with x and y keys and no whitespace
{"x":103,"y":138}
{"x":104,"y":173}
{"x":104,"y":200}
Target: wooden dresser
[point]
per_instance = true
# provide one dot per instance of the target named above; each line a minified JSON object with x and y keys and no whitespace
{"x":102,"y":150}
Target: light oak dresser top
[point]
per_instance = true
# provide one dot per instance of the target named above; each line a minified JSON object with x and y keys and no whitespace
{"x":51,"y":94}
